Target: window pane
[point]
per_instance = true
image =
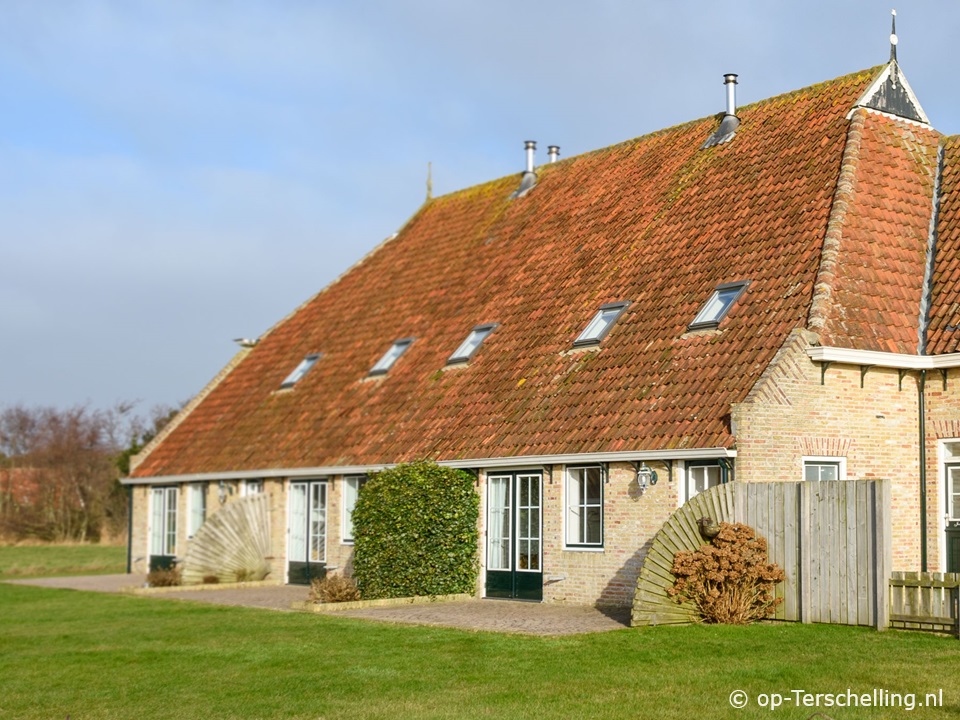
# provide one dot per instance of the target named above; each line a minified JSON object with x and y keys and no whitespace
{"x":156,"y":521}
{"x":198,"y":508}
{"x":584,"y":500}
{"x":298,"y":522}
{"x":821,"y":471}
{"x":470,"y":345}
{"x":718,"y":304}
{"x":953,"y":475}
{"x":318,"y":522}
{"x":498,"y":516}
{"x":170,"y":547}
{"x":594,"y":486}
{"x":351,"y":490}
{"x":298,"y":372}
{"x":600,"y":323}
{"x":391,"y":356}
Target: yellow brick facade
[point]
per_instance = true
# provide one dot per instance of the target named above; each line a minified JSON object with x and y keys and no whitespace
{"x":790,"y":415}
{"x":795,"y":411}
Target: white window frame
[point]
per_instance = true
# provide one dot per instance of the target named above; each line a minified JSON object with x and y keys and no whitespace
{"x":469,"y":347}
{"x":348,"y":498}
{"x":251,"y":487}
{"x":838,"y":460}
{"x":300,"y":370}
{"x":714,"y":309}
{"x":164,"y":524}
{"x":195,"y":492}
{"x":948,"y":451}
{"x":390,"y":357}
{"x":573,"y":516}
{"x":688,"y":466}
{"x":601,"y":324}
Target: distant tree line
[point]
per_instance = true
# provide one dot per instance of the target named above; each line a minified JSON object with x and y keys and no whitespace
{"x":60,"y":469}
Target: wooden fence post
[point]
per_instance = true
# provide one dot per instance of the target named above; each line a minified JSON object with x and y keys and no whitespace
{"x":883,"y":534}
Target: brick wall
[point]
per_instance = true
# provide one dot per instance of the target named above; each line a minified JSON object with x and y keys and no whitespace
{"x":607,"y":575}
{"x":789,"y":415}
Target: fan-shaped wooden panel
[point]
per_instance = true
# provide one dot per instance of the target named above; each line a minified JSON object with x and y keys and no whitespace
{"x":232,"y":544}
{"x":651,"y":604}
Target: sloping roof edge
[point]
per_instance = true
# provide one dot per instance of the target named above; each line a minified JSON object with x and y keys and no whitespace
{"x":475,"y":463}
{"x":843,"y":198}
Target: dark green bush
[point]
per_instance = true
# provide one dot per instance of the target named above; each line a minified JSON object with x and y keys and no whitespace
{"x":415,"y":532}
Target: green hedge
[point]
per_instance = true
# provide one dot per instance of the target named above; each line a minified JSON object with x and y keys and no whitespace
{"x":415,"y":532}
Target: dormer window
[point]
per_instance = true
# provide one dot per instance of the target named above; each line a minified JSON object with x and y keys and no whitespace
{"x":598,"y":328}
{"x":302,"y":369}
{"x":716,"y":308}
{"x":470,"y":346}
{"x":398,"y":348}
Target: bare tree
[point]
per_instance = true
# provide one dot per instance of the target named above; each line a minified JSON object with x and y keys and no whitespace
{"x":59,"y":469}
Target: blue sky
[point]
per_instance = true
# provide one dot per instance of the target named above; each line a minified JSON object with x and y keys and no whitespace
{"x":177,"y":174}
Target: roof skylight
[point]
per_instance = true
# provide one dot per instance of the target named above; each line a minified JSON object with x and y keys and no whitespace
{"x":473,"y":342}
{"x":716,"y":308}
{"x":386,"y":362}
{"x":600,"y":325}
{"x":300,"y":370}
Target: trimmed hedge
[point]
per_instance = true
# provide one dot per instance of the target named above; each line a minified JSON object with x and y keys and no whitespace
{"x":415,"y":532}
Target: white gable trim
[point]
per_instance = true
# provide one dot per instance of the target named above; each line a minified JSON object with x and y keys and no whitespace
{"x":884,"y":359}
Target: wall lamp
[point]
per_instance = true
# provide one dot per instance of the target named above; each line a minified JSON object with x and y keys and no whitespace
{"x":646,"y":477}
{"x":224,"y":491}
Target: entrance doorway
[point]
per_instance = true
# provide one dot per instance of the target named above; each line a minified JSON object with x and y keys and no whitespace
{"x":953,"y":518}
{"x":514,"y":551}
{"x":307,"y":532}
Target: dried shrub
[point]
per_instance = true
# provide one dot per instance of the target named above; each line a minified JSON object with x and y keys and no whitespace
{"x":164,"y":577}
{"x":333,"y":589}
{"x":210,"y":580}
{"x":244,"y":575}
{"x":730,"y":580}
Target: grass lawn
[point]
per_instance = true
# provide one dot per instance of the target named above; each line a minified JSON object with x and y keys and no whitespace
{"x":88,"y":655}
{"x":30,"y":561}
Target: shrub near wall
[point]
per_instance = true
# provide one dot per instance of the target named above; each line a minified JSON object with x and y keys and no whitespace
{"x":415,"y":532}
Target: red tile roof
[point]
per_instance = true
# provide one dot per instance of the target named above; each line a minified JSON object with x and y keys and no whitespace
{"x":944,"y":333}
{"x":656,"y":221}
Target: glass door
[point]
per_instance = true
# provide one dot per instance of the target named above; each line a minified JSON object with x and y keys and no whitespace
{"x":306,"y":532}
{"x":163,"y":528}
{"x":514,"y":551}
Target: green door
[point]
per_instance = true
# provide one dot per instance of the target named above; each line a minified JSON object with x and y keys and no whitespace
{"x":307,"y":532}
{"x":953,"y":547}
{"x":514,"y":554}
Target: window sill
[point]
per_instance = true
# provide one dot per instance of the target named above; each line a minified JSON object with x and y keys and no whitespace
{"x":585,"y":548}
{"x":581,"y":349}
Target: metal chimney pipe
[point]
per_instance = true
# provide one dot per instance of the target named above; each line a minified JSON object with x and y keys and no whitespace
{"x":730,"y":80}
{"x":530,"y":146}
{"x":554,"y":152}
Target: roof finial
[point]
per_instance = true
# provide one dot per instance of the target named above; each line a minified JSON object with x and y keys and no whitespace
{"x":429,"y":181}
{"x":893,"y":37}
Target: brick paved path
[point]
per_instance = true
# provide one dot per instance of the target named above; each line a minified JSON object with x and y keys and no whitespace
{"x":486,"y":615}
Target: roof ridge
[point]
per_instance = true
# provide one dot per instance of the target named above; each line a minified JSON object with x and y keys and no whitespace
{"x":862,"y":75}
{"x":843,"y":198}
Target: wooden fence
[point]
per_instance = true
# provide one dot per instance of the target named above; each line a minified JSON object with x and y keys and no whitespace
{"x":832,"y":540}
{"x":925,"y":601}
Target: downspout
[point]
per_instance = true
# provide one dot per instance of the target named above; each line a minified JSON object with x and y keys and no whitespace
{"x":926,"y":300}
{"x":922,"y":410}
{"x":129,"y":529}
